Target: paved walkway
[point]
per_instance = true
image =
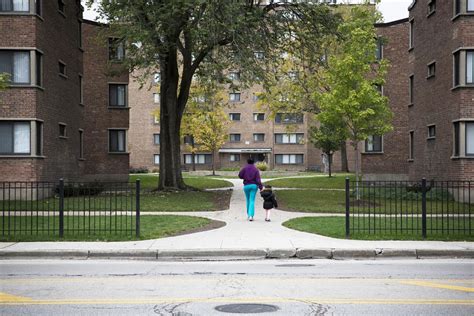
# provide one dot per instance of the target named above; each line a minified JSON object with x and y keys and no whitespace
{"x":238,"y":234}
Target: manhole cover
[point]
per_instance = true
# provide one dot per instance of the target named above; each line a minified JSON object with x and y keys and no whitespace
{"x":295,"y":265}
{"x":246,"y":308}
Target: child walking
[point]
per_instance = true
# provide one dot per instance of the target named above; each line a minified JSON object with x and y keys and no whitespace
{"x":269,"y":201}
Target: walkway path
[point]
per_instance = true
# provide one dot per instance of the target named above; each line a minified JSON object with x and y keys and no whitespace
{"x":239,"y":234}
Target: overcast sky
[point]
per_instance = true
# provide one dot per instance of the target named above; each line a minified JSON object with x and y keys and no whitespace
{"x":391,"y":9}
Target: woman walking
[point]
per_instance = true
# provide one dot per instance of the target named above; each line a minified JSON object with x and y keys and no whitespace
{"x":252,"y":182}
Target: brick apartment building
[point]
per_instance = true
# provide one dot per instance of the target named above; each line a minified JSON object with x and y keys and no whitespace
{"x":434,"y":126}
{"x":54,"y":118}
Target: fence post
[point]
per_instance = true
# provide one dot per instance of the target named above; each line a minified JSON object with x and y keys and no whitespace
{"x":61,"y":208}
{"x":423,"y":207}
{"x":137,"y":208}
{"x":347,"y":207}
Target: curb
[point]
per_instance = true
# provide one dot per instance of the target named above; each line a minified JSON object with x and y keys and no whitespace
{"x":243,"y":254}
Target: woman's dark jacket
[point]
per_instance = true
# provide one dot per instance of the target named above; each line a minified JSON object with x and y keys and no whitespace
{"x":269,"y":200}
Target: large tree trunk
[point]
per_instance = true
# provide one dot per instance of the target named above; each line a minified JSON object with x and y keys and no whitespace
{"x":170,"y":123}
{"x":344,"y":163}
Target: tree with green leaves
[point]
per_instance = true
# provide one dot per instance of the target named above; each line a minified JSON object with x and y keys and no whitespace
{"x":4,"y":79}
{"x":327,"y":138}
{"x":353,"y":76}
{"x":184,"y":38}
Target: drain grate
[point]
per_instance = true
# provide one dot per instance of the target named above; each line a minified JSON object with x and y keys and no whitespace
{"x":246,"y":308}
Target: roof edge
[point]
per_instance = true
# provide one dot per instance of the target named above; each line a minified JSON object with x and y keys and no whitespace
{"x":404,"y":20}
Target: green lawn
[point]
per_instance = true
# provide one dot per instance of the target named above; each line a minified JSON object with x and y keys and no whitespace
{"x":150,"y":181}
{"x":320,"y":182}
{"x":86,"y":228}
{"x":311,"y":201}
{"x":335,"y":227}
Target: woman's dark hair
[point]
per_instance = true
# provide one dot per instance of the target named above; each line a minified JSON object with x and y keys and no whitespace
{"x":250,"y":161}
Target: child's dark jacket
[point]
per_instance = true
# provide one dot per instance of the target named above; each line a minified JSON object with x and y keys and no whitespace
{"x":269,"y":200}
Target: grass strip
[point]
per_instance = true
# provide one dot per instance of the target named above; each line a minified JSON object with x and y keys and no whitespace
{"x":318,"y":182}
{"x":335,"y":227}
{"x":97,"y":228}
{"x":150,"y":182}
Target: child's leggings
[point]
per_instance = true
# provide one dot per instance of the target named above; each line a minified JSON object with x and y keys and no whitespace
{"x":250,"y":192}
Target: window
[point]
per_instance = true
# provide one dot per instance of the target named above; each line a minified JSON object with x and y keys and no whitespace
{"x":258,"y":137}
{"x":457,"y":68}
{"x":457,"y":7}
{"x":14,"y":6}
{"x":411,"y":88}
{"x":373,"y":144}
{"x":199,"y":159}
{"x":457,"y":133}
{"x":259,"y":116}
{"x":412,"y":145}
{"x":256,"y":96}
{"x":156,"y":97}
{"x":39,"y":69}
{"x":38,"y":7}
{"x":80,"y":33}
{"x":293,"y":75}
{"x":292,"y":138}
{"x":81,"y":144}
{"x":234,"y":97}
{"x":117,"y":95}
{"x":289,"y":118}
{"x":81,"y":90}
{"x":469,"y":126}
{"x":234,"y":116}
{"x":156,"y":119}
{"x":17,"y":65}
{"x":234,"y":157}
{"x":14,"y":137}
{"x":39,"y":138}
{"x":61,"y":6}
{"x":431,"y":6}
{"x":156,"y":159}
{"x":470,"y":67}
{"x":188,"y":139}
{"x":62,"y":68}
{"x":379,"y":49}
{"x":156,"y":139}
{"x":470,"y":5}
{"x":431,"y":69}
{"x":259,"y":55}
{"x":235,"y":137}
{"x":289,"y":159}
{"x":431,"y":131}
{"x":62,"y":130}
{"x":116,"y":49}
{"x":234,"y":75}
{"x":157,"y":78}
{"x":411,"y":35}
{"x":117,"y":141}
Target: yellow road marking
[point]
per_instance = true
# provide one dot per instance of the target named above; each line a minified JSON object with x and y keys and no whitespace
{"x":7,"y":298}
{"x":439,"y":286}
{"x":161,"y":300}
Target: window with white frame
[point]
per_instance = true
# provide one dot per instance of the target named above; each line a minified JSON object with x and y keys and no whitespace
{"x":432,"y":69}
{"x":291,"y":138}
{"x":470,"y":67}
{"x":258,"y":137}
{"x":463,"y":135}
{"x":373,"y":144}
{"x":234,"y":96}
{"x":116,"y":49}
{"x":234,"y":75}
{"x":431,"y":131}
{"x":62,"y":69}
{"x":117,"y":95}
{"x":156,"y":139}
{"x":259,"y":117}
{"x":470,"y":5}
{"x":463,"y":74}
{"x":234,"y":116}
{"x":156,"y":98}
{"x":469,"y":126}
{"x":199,"y":159}
{"x":14,"y":5}
{"x":289,"y":118}
{"x":117,"y":141}
{"x":17,"y":65}
{"x":39,"y":69}
{"x":156,"y":159}
{"x":15,"y":137}
{"x":259,"y":55}
{"x":379,"y":49}
{"x":62,"y":130}
{"x":234,"y":157}
{"x":234,"y":137}
{"x":288,"y":159}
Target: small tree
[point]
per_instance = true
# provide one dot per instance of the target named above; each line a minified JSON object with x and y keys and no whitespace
{"x":328,"y":139}
{"x":353,"y":100}
{"x":4,"y":79}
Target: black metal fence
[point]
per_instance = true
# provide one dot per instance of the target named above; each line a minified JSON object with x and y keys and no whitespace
{"x":66,"y":209}
{"x":409,"y":207}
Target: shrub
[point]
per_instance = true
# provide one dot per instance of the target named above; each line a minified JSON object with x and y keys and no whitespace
{"x":262,"y":166}
{"x":155,"y":170}
{"x":139,"y":170}
{"x":81,"y":189}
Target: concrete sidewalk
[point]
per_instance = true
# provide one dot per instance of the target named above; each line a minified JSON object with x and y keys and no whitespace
{"x":241,"y":239}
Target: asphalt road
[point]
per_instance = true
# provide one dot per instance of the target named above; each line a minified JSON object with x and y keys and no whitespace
{"x":280,"y":287}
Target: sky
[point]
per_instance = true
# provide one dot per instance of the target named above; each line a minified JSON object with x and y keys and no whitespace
{"x":391,"y":10}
